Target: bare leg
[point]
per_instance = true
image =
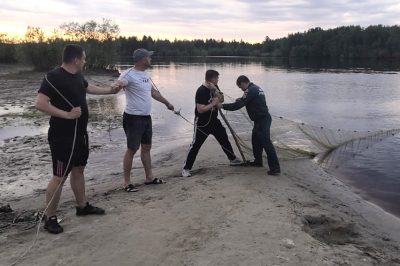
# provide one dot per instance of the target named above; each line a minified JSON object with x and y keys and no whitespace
{"x":146,"y":160}
{"x":51,"y":189}
{"x":78,"y":185}
{"x":127,"y":165}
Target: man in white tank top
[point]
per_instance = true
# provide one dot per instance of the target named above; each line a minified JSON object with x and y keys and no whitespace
{"x":137,"y":120}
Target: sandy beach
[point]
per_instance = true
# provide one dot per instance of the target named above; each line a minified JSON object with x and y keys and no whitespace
{"x":222,"y":215}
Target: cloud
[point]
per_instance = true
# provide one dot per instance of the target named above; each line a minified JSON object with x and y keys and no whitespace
{"x":249,"y":20}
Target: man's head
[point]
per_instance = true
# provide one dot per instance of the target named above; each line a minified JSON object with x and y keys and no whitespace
{"x":141,"y":58}
{"x":74,"y":55}
{"x":212,"y":76}
{"x":243,"y":82}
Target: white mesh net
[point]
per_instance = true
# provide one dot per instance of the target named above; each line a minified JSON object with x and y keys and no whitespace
{"x":296,"y":139}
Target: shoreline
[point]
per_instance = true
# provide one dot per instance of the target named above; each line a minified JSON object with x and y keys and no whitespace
{"x":219,"y":216}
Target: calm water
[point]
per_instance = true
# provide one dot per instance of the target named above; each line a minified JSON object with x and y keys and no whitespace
{"x":352,"y":95}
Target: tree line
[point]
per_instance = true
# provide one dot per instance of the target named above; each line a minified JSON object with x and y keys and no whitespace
{"x":104,"y":46}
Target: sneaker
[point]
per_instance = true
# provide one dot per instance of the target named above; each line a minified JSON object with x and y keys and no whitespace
{"x":255,"y":164}
{"x":235,"y":161}
{"x":52,"y":225}
{"x":88,"y":209}
{"x":186,"y":173}
{"x":274,"y":172}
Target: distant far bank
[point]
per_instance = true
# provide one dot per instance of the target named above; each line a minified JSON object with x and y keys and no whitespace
{"x":104,"y":46}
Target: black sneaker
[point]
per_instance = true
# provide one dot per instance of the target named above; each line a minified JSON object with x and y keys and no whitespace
{"x":274,"y":172}
{"x":88,"y":209}
{"x":255,"y":164}
{"x":52,"y":225}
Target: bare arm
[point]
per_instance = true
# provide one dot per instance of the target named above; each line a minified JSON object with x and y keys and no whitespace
{"x":216,"y":92}
{"x":220,"y":96}
{"x":92,"y":89}
{"x":158,"y":97}
{"x":201,"y":108}
{"x":43,"y":105}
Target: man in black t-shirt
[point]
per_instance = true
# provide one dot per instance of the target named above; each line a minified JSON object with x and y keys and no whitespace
{"x":62,"y":95}
{"x":206,"y":122}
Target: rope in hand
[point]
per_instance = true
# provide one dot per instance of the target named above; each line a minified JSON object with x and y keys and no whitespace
{"x":62,"y":180}
{"x":179,"y":114}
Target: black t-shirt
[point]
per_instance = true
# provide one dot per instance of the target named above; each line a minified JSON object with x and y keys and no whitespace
{"x":204,"y":96}
{"x":73,"y":88}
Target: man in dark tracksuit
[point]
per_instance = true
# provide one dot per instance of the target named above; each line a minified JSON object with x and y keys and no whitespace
{"x":254,"y":100}
{"x":208,"y":96}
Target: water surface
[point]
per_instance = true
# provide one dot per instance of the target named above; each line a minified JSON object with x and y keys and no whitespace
{"x":347,"y":95}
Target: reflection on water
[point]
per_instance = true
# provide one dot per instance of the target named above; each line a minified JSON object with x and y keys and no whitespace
{"x":347,"y":95}
{"x":375,"y":172}
{"x":11,"y":132}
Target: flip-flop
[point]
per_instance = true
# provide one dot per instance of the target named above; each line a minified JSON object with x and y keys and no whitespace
{"x":130,"y":188}
{"x":155,"y":181}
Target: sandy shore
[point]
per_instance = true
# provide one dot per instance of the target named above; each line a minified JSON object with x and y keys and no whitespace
{"x":221,"y":215}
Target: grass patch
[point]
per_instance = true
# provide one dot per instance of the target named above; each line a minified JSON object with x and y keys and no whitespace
{"x":27,"y":115}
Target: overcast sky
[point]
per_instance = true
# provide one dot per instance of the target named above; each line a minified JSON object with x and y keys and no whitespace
{"x":184,"y":19}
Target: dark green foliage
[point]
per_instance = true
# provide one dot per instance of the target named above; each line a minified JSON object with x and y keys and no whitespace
{"x":7,"y":49}
{"x":38,"y":52}
{"x":7,"y":53}
{"x":103,"y":46}
{"x":354,"y":42}
{"x":44,"y":53}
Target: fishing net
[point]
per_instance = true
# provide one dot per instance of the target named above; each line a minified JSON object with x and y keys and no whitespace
{"x":296,"y":139}
{"x":291,"y":139}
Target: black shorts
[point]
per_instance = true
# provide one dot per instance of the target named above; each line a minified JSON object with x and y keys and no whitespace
{"x":138,"y":130}
{"x":61,"y":147}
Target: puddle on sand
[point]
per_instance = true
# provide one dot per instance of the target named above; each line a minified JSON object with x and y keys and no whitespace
{"x":9,"y":109}
{"x":11,"y":132}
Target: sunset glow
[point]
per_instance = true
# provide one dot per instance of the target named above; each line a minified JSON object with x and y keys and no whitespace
{"x":250,"y":20}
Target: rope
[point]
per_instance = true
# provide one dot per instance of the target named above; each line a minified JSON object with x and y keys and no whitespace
{"x":109,"y":111}
{"x":179,"y":114}
{"x":198,"y":127}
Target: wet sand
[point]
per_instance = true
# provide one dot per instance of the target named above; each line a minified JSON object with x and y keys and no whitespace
{"x":221,"y":215}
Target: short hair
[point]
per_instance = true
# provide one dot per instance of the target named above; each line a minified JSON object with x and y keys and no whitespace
{"x":210,"y":74}
{"x":72,"y":51}
{"x":242,"y":79}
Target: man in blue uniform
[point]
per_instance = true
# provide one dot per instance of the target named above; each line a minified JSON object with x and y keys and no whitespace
{"x":256,"y":106}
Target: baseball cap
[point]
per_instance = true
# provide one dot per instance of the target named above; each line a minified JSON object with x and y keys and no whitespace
{"x":141,"y":53}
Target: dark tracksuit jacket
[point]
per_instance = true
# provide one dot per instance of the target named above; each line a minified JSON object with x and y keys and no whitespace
{"x":257,"y":109}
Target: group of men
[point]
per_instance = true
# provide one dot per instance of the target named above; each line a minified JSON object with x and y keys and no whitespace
{"x":62,"y":95}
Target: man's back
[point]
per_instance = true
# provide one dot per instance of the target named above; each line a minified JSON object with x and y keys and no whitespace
{"x":257,"y":106}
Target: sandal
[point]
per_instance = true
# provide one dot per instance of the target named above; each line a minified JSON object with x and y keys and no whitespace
{"x":130,"y":188}
{"x":156,"y":181}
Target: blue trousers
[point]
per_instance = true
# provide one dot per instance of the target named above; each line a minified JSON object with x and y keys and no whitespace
{"x":261,"y":139}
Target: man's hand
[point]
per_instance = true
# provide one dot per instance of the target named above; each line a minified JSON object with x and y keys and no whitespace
{"x":219,"y":106}
{"x":75,"y":113}
{"x":119,"y":84}
{"x":212,"y":87}
{"x":115,"y":89}
{"x":170,"y":106}
{"x":215,"y":101}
